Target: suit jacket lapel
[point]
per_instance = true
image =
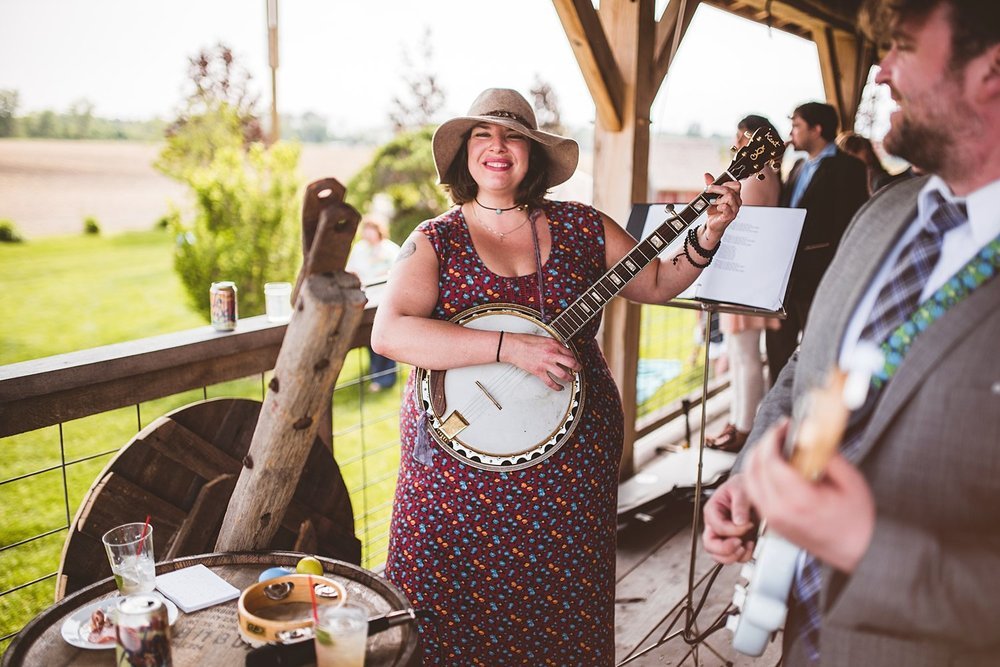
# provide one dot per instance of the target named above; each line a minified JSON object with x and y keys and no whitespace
{"x":926,"y":353}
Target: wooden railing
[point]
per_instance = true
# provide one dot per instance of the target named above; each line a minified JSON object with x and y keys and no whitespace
{"x":53,"y":390}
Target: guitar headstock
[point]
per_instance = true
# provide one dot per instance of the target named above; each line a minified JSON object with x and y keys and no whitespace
{"x":764,"y":148}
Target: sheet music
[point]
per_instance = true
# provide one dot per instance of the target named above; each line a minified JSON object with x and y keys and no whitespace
{"x":754,"y":263}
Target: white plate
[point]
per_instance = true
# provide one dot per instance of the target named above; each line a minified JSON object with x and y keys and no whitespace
{"x":76,"y":628}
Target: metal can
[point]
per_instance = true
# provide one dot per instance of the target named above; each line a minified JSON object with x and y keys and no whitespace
{"x":224,"y":311}
{"x":142,"y":631}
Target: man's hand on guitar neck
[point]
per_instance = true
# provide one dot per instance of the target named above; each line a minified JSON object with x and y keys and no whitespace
{"x":832,"y":518}
{"x":729,"y":529}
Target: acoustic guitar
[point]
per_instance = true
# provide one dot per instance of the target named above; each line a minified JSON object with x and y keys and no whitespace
{"x":499,"y":417}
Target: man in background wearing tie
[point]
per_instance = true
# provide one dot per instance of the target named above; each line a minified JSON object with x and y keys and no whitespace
{"x":831,"y":185}
{"x":903,"y":528}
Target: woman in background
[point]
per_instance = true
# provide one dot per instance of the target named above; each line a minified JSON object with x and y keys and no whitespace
{"x":742,"y":332}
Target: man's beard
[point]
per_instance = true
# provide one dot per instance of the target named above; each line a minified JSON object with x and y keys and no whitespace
{"x":923,"y":145}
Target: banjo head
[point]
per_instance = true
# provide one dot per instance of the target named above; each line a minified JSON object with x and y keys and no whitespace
{"x":497,"y":416}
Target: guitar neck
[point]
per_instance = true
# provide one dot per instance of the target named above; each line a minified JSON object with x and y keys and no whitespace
{"x":590,"y":303}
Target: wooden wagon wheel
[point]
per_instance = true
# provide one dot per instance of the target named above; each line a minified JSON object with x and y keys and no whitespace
{"x":181,"y":470}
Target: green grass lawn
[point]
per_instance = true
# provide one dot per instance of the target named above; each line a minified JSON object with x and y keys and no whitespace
{"x":72,"y":293}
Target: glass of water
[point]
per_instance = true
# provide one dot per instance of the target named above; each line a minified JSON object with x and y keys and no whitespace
{"x":130,"y":551}
{"x":341,"y":635}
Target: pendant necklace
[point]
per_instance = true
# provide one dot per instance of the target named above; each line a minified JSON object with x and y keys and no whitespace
{"x":495,"y":232}
{"x":497,"y":209}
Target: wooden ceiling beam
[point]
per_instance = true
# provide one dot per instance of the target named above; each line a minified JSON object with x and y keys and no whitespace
{"x":597,"y":62}
{"x":670,"y":30}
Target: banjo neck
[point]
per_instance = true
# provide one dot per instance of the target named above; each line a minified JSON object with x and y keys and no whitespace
{"x":590,"y":303}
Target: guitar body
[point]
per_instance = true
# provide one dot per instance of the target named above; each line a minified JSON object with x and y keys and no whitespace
{"x":497,"y":416}
{"x":763,"y":601}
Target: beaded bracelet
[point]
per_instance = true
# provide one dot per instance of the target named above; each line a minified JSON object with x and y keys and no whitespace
{"x":692,"y":237}
{"x":687,"y":254}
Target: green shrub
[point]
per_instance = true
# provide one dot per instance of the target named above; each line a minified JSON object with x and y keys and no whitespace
{"x":245,"y":226}
{"x":404,"y":170}
{"x":9,"y":233}
{"x":91,"y":226}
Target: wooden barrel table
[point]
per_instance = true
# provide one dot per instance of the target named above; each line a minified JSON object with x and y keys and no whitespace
{"x":211,"y":636}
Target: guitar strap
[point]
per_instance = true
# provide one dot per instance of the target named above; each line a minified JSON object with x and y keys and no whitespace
{"x":983,"y":266}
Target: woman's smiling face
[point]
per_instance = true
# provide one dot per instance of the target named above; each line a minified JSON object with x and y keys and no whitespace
{"x":498,"y":159}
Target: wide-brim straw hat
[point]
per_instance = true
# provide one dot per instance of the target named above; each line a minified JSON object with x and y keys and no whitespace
{"x":502,"y":106}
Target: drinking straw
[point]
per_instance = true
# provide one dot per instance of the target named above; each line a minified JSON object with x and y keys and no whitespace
{"x":142,"y":536}
{"x":312,"y":596}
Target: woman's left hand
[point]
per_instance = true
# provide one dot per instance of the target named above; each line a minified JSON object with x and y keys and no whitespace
{"x":722,"y":211}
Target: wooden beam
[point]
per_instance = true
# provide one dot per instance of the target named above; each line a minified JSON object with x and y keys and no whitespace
{"x":593,"y":53}
{"x":803,"y":13}
{"x":670,"y":30}
{"x":844,"y":59}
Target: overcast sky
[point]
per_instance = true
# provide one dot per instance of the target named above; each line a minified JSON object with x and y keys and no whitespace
{"x":344,"y":59}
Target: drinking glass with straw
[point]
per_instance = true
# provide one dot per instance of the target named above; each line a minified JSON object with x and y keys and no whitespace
{"x":130,"y":552}
{"x":340,"y":633}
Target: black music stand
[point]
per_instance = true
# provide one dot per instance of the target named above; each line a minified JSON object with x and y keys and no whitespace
{"x":638,"y":220}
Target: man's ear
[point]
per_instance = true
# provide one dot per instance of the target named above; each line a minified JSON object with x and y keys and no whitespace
{"x":989,"y":78}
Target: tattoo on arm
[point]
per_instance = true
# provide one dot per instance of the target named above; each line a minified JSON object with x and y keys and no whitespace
{"x":408,"y":249}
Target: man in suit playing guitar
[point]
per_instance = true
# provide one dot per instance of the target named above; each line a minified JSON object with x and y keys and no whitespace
{"x":905,"y":523}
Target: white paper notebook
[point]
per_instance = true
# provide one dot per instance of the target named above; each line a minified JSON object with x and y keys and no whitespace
{"x":195,"y":587}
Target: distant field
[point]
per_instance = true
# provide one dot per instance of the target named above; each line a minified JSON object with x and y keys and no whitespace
{"x":48,"y":187}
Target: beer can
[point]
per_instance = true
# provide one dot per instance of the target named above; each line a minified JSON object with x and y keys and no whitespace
{"x":224,"y":312}
{"x":142,"y":631}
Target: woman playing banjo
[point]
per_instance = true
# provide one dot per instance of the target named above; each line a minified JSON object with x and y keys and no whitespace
{"x":514,"y":566}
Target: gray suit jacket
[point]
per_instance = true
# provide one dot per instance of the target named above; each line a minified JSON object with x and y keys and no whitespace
{"x":927,"y":592}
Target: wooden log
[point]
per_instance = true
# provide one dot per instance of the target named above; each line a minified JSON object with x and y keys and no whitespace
{"x":328,"y":310}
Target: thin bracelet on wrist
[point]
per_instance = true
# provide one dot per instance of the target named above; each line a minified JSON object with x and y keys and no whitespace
{"x":499,"y":345}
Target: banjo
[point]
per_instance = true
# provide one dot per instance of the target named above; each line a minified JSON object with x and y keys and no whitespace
{"x":499,"y":417}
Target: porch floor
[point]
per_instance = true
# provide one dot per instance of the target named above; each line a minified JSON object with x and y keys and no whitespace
{"x":653,"y":566}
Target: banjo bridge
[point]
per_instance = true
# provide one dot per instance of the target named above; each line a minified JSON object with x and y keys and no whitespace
{"x":453,"y":425}
{"x":489,"y":395}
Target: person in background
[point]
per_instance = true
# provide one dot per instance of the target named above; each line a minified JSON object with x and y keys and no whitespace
{"x":861,"y":148}
{"x":831,"y":185}
{"x":743,"y":332}
{"x":902,"y":529}
{"x":514,"y":567}
{"x":371,"y":258}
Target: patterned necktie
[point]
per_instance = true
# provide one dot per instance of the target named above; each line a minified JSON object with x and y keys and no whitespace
{"x":900,"y":294}
{"x":896,"y":301}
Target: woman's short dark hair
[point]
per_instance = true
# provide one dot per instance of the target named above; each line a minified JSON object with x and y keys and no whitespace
{"x":752,"y":123}
{"x":462,"y":188}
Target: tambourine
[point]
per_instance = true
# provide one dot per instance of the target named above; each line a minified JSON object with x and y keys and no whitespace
{"x":280,"y":609}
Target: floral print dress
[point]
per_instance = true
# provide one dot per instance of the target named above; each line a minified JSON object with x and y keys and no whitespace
{"x":515,"y":568}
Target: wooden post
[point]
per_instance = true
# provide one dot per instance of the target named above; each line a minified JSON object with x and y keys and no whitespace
{"x":319,"y":335}
{"x":329,"y":306}
{"x":844,"y":59}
